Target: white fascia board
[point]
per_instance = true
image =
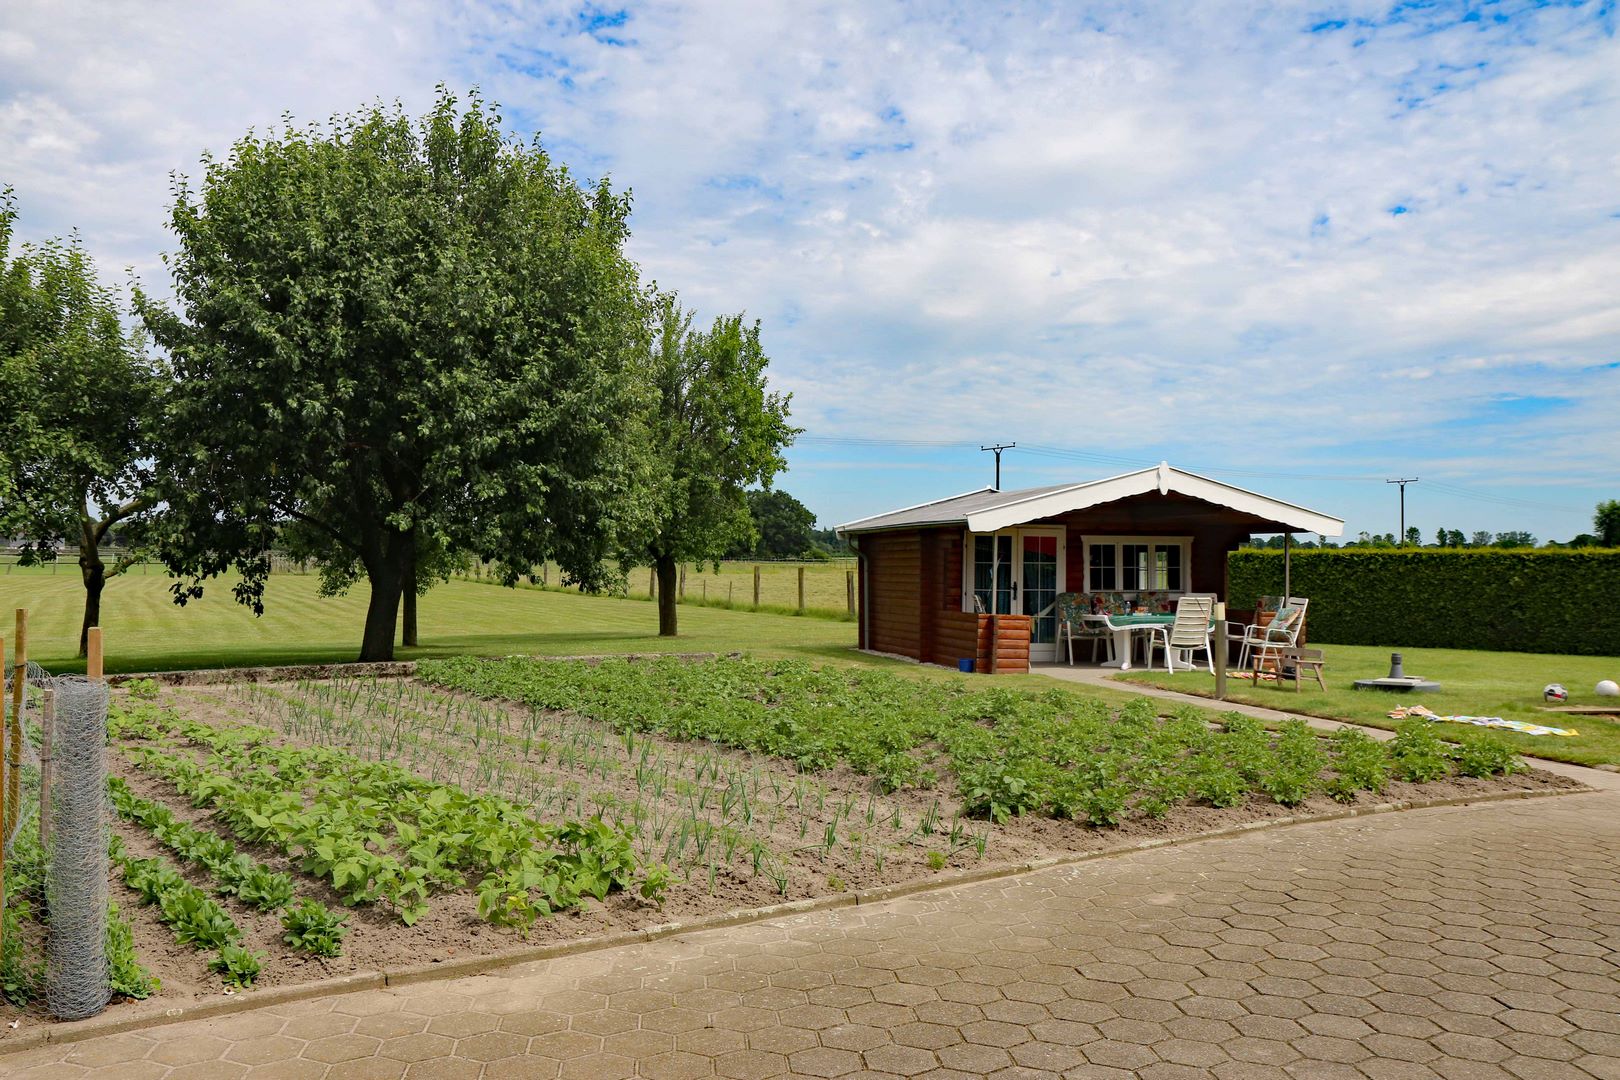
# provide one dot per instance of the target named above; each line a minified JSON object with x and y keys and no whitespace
{"x":1162,"y":479}
{"x":1298,"y":517}
{"x":1061,"y":502}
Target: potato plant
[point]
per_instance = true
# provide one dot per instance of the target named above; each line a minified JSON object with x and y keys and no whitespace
{"x":1010,"y":751}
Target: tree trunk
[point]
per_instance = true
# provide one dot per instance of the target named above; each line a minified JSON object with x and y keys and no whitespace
{"x":407,"y":635}
{"x":94,"y":572}
{"x":387,"y":579}
{"x":667,"y":598}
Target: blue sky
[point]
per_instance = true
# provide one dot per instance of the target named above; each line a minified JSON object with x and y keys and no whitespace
{"x":1300,"y":247}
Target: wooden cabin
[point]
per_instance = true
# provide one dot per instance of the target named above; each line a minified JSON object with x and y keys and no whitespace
{"x":978,"y":575}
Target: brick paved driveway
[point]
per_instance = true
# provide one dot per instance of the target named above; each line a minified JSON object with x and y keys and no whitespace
{"x":1469,"y":943}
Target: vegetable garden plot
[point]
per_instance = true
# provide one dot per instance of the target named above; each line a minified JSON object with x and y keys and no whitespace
{"x":287,"y":831}
{"x":999,"y":753}
{"x":266,"y":861}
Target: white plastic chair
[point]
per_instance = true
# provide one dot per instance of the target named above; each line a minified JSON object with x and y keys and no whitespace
{"x":1282,"y":632}
{"x":1195,"y":621}
{"x":1073,"y":626}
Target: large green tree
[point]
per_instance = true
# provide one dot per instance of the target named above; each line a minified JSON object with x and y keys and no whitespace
{"x":782,"y":523}
{"x":398,"y":337}
{"x":80,"y":411}
{"x":1606,"y":520}
{"x":713,"y":429}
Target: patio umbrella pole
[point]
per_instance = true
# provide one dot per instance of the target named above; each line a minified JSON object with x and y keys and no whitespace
{"x":1288,"y":565}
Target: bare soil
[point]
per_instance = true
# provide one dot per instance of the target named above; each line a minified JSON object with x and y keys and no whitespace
{"x":789,"y":825}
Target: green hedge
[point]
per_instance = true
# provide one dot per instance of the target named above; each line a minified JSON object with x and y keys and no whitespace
{"x":1516,"y":601}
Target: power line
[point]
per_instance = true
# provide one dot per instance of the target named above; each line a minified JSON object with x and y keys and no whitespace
{"x":997,"y":449}
{"x":1403,"y":482}
{"x":1070,"y":454}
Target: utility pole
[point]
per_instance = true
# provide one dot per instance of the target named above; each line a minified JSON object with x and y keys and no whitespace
{"x":997,"y":449}
{"x":1401,"y":541}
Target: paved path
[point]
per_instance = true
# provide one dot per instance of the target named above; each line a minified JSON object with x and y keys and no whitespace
{"x":1092,"y":675}
{"x":1465,"y":943}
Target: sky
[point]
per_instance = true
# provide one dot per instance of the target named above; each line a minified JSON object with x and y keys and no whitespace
{"x":1300,"y":248}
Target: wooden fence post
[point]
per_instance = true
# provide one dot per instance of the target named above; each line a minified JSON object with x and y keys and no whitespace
{"x":756,"y":586}
{"x":14,"y":733}
{"x":47,"y":725}
{"x":681,"y":592}
{"x":849,"y":590}
{"x":1218,"y":647}
{"x":5,"y":774}
{"x":652,"y":584}
{"x":92,"y":654}
{"x":995,"y":644}
{"x":801,"y":590}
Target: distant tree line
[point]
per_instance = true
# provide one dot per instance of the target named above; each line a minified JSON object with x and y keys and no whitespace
{"x":1605,"y":521}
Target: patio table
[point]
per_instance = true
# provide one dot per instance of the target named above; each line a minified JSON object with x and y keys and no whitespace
{"x":1122,"y":627}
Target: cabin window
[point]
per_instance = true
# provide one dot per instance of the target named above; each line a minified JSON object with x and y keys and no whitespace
{"x":1100,"y":572}
{"x":1137,"y":564}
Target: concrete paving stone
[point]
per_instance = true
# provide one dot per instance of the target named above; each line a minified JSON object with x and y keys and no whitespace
{"x":132,"y":1070}
{"x":371,"y":1068}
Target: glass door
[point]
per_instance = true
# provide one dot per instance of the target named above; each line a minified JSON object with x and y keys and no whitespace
{"x":1020,"y":572}
{"x":993,"y":587}
{"x":1039,"y":580}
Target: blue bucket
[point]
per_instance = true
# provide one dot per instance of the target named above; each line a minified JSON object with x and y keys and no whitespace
{"x":965,"y":666}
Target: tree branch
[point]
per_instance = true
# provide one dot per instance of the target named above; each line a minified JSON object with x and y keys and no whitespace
{"x":321,"y":525}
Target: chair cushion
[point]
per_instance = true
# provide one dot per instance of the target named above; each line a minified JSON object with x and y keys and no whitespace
{"x":1285,"y":618}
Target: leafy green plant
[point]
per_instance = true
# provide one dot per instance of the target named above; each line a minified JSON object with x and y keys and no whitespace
{"x":997,"y":791}
{"x":237,"y":965}
{"x":1420,"y":754}
{"x":1481,"y":755}
{"x":311,"y":926}
{"x":936,"y":860}
{"x":1298,"y":761}
{"x":128,"y":977}
{"x":1360,"y":763}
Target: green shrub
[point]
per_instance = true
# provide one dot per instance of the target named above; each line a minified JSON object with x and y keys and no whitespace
{"x":1420,"y":754}
{"x":1550,"y":601}
{"x":1360,"y":763}
{"x":1481,"y":755}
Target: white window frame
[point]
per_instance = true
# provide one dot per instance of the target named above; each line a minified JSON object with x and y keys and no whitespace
{"x":1183,"y":542}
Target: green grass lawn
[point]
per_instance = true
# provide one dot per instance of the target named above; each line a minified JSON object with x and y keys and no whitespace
{"x":826,"y":589}
{"x":144,"y":631}
{"x":1473,"y":683}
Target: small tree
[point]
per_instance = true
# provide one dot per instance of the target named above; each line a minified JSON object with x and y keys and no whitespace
{"x":712,"y":431}
{"x":1480,"y":539}
{"x":1515,"y":538}
{"x":80,"y":407}
{"x":1607,"y":523}
{"x":398,"y":337}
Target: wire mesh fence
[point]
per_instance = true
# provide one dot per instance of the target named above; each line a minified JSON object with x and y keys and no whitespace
{"x":55,"y":914}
